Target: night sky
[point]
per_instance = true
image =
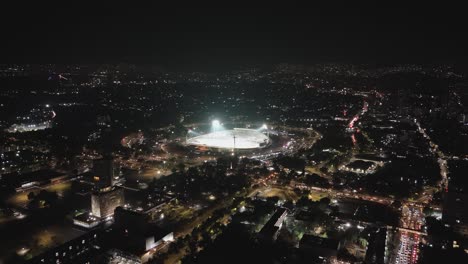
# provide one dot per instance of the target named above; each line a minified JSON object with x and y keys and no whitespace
{"x":205,"y":36}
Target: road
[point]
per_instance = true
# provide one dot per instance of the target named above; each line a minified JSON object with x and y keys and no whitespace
{"x":187,"y":229}
{"x":408,"y":244}
{"x":409,"y":232}
{"x":409,"y":239}
{"x":408,"y":248}
{"x":412,"y":217}
{"x":441,"y":158}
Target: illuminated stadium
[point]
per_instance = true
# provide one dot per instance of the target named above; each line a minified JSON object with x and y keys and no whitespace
{"x":237,"y":138}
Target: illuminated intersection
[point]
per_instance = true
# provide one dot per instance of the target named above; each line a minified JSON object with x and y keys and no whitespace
{"x":237,"y":138}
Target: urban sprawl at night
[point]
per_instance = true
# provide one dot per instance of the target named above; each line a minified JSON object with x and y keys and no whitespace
{"x":296,"y":142}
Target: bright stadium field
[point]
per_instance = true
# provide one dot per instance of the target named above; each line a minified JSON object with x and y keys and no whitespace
{"x":244,"y":138}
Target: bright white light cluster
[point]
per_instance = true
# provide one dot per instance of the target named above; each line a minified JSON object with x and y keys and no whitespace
{"x":244,"y":138}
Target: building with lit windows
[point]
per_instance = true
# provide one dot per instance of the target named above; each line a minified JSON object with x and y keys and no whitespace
{"x":104,"y":202}
{"x":81,"y":250}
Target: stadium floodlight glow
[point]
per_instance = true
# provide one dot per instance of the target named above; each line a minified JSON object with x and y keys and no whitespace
{"x":238,"y":138}
{"x":216,"y":125}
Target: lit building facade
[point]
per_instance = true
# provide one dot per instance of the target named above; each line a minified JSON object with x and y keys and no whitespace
{"x":104,"y":202}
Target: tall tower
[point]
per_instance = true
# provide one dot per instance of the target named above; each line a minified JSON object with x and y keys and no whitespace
{"x":105,"y":197}
{"x":104,"y":202}
{"x":103,"y":170}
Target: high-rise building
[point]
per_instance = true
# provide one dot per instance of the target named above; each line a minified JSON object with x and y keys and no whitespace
{"x":134,"y":234}
{"x":103,"y":170}
{"x":104,"y":202}
{"x":270,"y":230}
{"x":81,"y":250}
